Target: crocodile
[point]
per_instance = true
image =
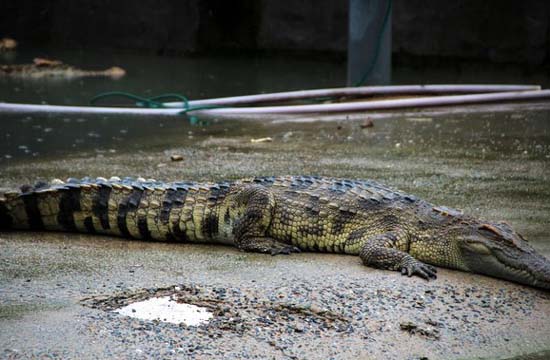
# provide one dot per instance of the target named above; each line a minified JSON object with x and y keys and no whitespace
{"x":46,"y":68}
{"x":386,"y":228}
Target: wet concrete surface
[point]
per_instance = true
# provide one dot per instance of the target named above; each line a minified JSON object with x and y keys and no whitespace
{"x":56,"y":288}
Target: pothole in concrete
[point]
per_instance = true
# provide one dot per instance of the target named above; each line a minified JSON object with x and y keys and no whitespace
{"x":167,"y":309}
{"x":220,"y":309}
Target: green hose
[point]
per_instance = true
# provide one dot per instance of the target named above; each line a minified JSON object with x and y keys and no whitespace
{"x":157,"y":102}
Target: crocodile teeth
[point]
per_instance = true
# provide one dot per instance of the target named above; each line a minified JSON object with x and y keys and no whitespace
{"x":57,"y":182}
{"x":140,"y":179}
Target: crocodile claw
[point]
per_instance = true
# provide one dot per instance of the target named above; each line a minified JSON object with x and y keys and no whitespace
{"x":285,"y":250}
{"x":420,"y":269}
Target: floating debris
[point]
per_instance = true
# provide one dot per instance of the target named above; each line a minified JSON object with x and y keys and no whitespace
{"x":168,"y":310}
{"x":7,"y":44}
{"x":176,"y":157}
{"x":42,"y":67}
{"x":46,"y":62}
{"x":261,"y":140}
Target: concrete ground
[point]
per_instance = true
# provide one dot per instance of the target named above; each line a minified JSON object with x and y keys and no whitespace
{"x":56,"y":289}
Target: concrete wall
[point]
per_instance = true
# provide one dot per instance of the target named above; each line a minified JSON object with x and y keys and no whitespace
{"x":501,"y":31}
{"x":489,"y":30}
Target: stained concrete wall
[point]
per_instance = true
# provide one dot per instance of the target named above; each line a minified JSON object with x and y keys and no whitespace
{"x":490,"y":30}
{"x":501,"y":31}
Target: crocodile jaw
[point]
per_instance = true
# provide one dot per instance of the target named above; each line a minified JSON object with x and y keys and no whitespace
{"x":528,"y":268}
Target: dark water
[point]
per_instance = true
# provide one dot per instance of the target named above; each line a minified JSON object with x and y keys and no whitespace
{"x":195,"y":77}
{"x":37,"y":136}
{"x":24,"y":137}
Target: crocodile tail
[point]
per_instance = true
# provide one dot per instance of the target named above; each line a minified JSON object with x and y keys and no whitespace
{"x":126,"y":208}
{"x":19,"y":209}
{"x":75,"y":205}
{"x":131,"y":208}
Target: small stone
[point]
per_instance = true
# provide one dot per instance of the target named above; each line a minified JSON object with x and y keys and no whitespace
{"x":176,"y":157}
{"x":366,"y":124}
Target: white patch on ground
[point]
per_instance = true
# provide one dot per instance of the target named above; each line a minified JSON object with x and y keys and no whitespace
{"x":168,"y":310}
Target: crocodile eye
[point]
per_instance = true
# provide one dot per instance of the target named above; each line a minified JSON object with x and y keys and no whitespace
{"x":489,"y":230}
{"x":505,"y":226}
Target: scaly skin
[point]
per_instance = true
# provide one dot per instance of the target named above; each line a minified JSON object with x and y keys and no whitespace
{"x":279,"y":215}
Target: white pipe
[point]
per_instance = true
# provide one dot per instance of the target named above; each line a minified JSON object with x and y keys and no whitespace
{"x":358,"y":91}
{"x":8,"y":108}
{"x":290,"y":109}
{"x":380,"y":104}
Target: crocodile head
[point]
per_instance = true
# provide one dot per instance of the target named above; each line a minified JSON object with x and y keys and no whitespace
{"x":494,"y":249}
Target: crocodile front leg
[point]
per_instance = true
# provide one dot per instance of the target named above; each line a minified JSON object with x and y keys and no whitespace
{"x":255,"y":205}
{"x":380,"y":252}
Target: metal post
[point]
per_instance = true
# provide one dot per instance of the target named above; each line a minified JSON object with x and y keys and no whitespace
{"x":369,"y":44}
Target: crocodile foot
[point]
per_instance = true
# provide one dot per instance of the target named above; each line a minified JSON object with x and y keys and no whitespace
{"x":418,"y":268}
